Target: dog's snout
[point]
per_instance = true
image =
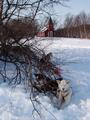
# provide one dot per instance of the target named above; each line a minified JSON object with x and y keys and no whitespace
{"x":63,"y":89}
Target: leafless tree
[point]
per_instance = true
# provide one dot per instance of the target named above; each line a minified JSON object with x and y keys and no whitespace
{"x":68,"y":23}
{"x":84,"y":18}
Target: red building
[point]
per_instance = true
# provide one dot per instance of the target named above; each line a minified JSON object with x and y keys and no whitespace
{"x":47,"y":31}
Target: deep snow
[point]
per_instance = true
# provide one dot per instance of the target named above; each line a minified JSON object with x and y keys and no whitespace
{"x":73,"y":57}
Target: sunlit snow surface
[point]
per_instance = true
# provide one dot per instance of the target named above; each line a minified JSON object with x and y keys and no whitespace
{"x":73,"y":57}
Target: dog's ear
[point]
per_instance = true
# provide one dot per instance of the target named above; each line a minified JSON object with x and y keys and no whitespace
{"x":68,"y":81}
{"x":58,"y":81}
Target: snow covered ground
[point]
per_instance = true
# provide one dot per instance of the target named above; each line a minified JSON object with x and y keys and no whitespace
{"x":73,"y":57}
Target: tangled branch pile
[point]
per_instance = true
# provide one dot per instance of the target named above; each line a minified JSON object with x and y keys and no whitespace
{"x":23,"y":63}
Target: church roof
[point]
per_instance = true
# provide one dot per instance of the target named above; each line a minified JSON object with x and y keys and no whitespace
{"x":50,"y":21}
{"x":44,"y":29}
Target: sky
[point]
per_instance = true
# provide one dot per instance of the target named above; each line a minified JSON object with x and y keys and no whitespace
{"x":74,"y":8}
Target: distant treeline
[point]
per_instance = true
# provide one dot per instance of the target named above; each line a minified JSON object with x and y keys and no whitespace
{"x":75,"y":26}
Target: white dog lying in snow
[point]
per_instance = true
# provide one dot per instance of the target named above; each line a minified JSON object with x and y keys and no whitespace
{"x":64,"y":92}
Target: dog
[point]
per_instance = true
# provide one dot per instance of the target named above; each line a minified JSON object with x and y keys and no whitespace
{"x":64,"y":93}
{"x":46,"y":84}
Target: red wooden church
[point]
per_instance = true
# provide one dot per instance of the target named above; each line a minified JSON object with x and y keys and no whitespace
{"x":47,"y":31}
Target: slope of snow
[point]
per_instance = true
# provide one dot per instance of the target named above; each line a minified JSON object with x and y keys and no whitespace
{"x":65,"y":42}
{"x":73,"y":57}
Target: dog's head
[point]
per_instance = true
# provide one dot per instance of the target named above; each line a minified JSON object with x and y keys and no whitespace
{"x":63,"y":85}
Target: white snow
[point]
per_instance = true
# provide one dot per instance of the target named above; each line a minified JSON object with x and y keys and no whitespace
{"x":73,"y":57}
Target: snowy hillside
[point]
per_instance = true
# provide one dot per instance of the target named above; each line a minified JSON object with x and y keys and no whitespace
{"x":73,"y":57}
